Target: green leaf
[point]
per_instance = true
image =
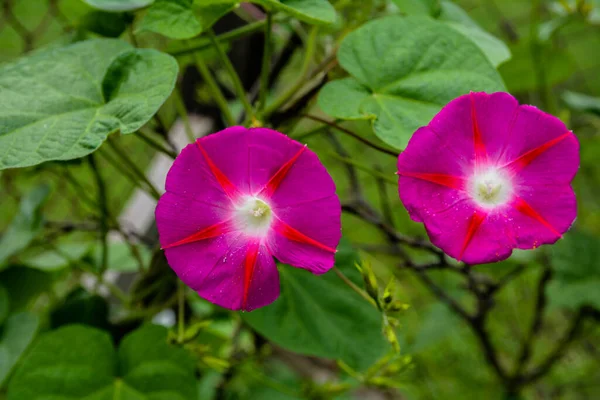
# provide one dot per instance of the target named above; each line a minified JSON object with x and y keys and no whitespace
{"x":418,"y":7}
{"x":107,"y":24}
{"x":120,"y":257}
{"x":58,"y":258}
{"x":81,"y":307}
{"x":576,"y":264}
{"x":403,"y":70}
{"x":582,"y":102}
{"x":495,"y":49}
{"x":15,"y":336}
{"x":85,"y":365}
{"x":311,"y":11}
{"x":172,"y":18}
{"x":26,"y":225}
{"x":118,"y":5}
{"x":24,"y":285}
{"x":321,"y":316}
{"x":90,"y":90}
{"x":4,"y":304}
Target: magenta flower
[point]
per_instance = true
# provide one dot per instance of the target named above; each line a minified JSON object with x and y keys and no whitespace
{"x":237,"y":198}
{"x":487,"y":176}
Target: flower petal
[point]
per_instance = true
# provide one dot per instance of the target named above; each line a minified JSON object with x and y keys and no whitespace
{"x":244,"y":278}
{"x":557,"y":208}
{"x":304,"y":241}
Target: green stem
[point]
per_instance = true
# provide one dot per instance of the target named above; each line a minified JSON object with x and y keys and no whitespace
{"x":224,"y":38}
{"x":354,"y":287}
{"x":364,"y":167}
{"x":134,"y":168}
{"x":180,"y":311}
{"x":310,"y":132}
{"x":126,"y":174}
{"x":266,"y":65}
{"x":235,"y":79}
{"x":287,"y":95}
{"x":103,"y":205}
{"x":180,"y":106}
{"x":215,"y":90}
{"x":155,"y":144}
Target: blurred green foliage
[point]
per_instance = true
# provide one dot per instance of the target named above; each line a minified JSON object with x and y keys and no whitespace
{"x":50,"y":224}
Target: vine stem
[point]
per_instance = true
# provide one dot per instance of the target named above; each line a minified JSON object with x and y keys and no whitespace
{"x":103,"y":205}
{"x":287,"y":95}
{"x":180,"y":106}
{"x":235,"y":78}
{"x":180,"y":311}
{"x":155,"y":144}
{"x":215,"y":90}
{"x":266,"y":64}
{"x":354,"y":287}
{"x":352,"y":134}
{"x":133,"y":167}
{"x":363,"y":167}
{"x":224,"y":38}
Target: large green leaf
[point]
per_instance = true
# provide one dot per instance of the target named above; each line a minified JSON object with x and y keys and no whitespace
{"x":61,"y":104}
{"x":15,"y":336}
{"x":78,"y":362}
{"x":118,"y":5}
{"x":321,"y":316}
{"x":26,"y":225}
{"x":576,"y":264}
{"x":181,"y":19}
{"x":495,"y":49}
{"x":403,"y":70}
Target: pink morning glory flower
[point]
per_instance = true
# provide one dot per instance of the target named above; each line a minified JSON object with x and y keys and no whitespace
{"x":488,"y":175}
{"x":235,"y":199}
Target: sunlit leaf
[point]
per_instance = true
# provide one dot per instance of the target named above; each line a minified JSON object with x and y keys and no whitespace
{"x":62,"y":103}
{"x":403,"y":70}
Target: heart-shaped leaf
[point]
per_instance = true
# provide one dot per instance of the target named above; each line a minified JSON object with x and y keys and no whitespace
{"x":321,"y":316}
{"x":311,"y":11}
{"x":403,"y":70}
{"x":89,"y":90}
{"x":79,"y":362}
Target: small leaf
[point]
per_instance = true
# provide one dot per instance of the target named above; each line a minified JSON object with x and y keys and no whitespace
{"x":171,"y":18}
{"x":24,"y":285}
{"x":311,"y":11}
{"x":81,"y":307}
{"x":60,"y":257}
{"x":118,"y":5}
{"x":321,"y":316}
{"x":418,"y":7}
{"x":108,"y":24}
{"x":495,"y":49}
{"x":90,"y":90}
{"x":26,"y":225}
{"x":576,"y":264}
{"x":15,"y":336}
{"x":403,"y":70}
{"x":582,"y":102}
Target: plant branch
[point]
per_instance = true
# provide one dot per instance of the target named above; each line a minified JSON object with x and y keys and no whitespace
{"x":233,"y":75}
{"x":352,"y":134}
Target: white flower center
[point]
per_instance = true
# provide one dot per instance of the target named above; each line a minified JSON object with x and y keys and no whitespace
{"x":254,"y":216}
{"x":490,"y":188}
